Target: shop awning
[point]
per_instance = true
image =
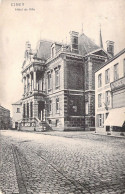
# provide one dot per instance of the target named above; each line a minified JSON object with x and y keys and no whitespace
{"x":116,"y":117}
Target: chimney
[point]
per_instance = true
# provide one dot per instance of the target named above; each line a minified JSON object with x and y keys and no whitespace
{"x":27,"y":50}
{"x":74,"y":41}
{"x":28,"y":46}
{"x":110,"y":47}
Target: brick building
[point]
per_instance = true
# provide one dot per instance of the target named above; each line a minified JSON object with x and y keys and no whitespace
{"x":59,"y":83}
{"x":5,"y":120}
{"x":110,"y":94}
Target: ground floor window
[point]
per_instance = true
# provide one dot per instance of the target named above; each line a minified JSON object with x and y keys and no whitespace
{"x":57,"y":105}
{"x":86,"y":108}
{"x":24,"y":111}
{"x":31,"y":109}
{"x":100,"y":120}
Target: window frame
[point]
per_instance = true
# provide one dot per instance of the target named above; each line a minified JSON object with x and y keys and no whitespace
{"x":107,"y":76}
{"x":107,"y":96}
{"x":116,"y":72}
{"x":50,"y":106}
{"x":49,"y":78}
{"x":57,"y":105}
{"x":18,"y":110}
{"x":57,"y":77}
{"x":99,"y":100}
{"x":86,"y":108}
{"x":100,"y":80}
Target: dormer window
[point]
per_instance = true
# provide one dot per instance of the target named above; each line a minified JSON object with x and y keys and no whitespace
{"x":53,"y":53}
{"x":49,"y":80}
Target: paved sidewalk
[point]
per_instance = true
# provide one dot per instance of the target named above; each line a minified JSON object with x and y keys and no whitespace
{"x":52,"y":164}
{"x":8,"y":178}
{"x":79,"y":134}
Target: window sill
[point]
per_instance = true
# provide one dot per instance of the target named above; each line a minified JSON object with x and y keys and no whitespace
{"x":57,"y":87}
{"x":49,"y":90}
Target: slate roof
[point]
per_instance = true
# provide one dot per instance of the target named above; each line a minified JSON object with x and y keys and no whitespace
{"x":18,"y":102}
{"x":3,"y":108}
{"x":44,"y":50}
{"x":86,"y":45}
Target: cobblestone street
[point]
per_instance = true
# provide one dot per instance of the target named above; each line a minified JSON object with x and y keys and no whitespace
{"x":45,"y":163}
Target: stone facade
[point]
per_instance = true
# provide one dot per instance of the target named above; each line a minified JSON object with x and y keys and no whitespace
{"x":59,"y":83}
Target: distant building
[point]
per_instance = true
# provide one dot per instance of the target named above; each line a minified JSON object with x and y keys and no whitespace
{"x":110,"y":94}
{"x":59,"y":83}
{"x":4,"y":118}
{"x":17,"y":114}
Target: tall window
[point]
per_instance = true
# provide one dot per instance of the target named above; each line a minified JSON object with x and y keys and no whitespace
{"x":107,"y":97}
{"x":107,"y":76}
{"x":27,"y":110}
{"x":31,"y":109}
{"x":116,"y":75}
{"x":100,"y":80}
{"x":86,"y":108}
{"x":24,"y":114}
{"x":49,"y":81}
{"x":99,"y":100}
{"x":50,"y":106}
{"x":57,"y":78}
{"x":100,"y":120}
{"x":57,"y":105}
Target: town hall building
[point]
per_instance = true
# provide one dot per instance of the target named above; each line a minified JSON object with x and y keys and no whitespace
{"x":59,"y":83}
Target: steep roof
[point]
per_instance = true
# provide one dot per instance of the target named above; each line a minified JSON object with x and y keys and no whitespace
{"x":3,"y":108}
{"x":18,"y":102}
{"x":86,"y":45}
{"x":44,"y":49}
{"x":113,"y":58}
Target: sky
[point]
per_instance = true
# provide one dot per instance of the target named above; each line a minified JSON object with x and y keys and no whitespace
{"x":53,"y":20}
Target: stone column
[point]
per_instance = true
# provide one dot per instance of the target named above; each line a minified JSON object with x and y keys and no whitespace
{"x":30,"y":81}
{"x":35,"y":109}
{"x":29,"y":110}
{"x":23,"y":84}
{"x":44,"y":111}
{"x":43,"y":84}
{"x":23,"y":116}
{"x":34,"y":80}
{"x":26,"y":110}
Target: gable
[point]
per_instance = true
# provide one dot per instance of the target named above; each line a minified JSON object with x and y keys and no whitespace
{"x":101,"y":53}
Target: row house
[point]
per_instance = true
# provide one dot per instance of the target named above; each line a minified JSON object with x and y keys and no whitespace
{"x":59,"y":83}
{"x":5,"y":119}
{"x":110,"y":93}
{"x":16,"y":114}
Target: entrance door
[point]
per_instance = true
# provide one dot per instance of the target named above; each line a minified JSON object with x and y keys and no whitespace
{"x":41,"y":109}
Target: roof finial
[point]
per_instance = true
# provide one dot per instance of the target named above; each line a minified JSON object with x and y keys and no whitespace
{"x":82,"y":28}
{"x":101,"y":43}
{"x":66,"y":40}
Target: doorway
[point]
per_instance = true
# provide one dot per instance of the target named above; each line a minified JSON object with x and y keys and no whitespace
{"x":41,"y":110}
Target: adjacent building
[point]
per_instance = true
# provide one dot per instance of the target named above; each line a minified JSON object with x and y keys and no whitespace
{"x":59,"y":83}
{"x":4,"y":118}
{"x":17,"y":114}
{"x":110,"y":94}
